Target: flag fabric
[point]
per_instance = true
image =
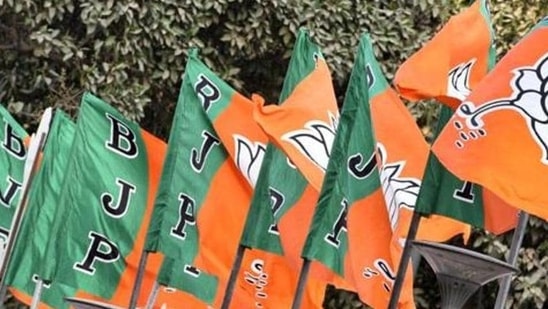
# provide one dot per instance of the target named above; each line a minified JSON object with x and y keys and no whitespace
{"x":468,"y":61}
{"x":496,"y":136}
{"x":283,"y":201}
{"x":12,"y":162}
{"x":402,"y":159}
{"x":30,"y":244}
{"x":188,"y":278}
{"x":304,"y":125}
{"x":351,"y":231}
{"x":453,"y":61}
{"x":208,"y":201}
{"x":245,"y":142}
{"x":443,"y":193}
{"x":106,"y":197}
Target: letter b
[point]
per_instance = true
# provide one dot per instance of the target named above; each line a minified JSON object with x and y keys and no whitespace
{"x":13,"y":143}
{"x":122,"y":139}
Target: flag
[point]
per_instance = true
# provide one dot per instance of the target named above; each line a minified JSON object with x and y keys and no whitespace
{"x":12,"y":159}
{"x":219,"y":150}
{"x":453,"y":61}
{"x":187,"y":278}
{"x":30,"y":244}
{"x":351,"y":231}
{"x":443,"y":193}
{"x":304,"y":125}
{"x":402,"y":159}
{"x":245,"y":143}
{"x":283,"y":201}
{"x":106,"y":197}
{"x":496,"y":136}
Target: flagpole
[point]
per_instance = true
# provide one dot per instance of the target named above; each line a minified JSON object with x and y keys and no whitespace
{"x":138,"y":280}
{"x":404,"y":261}
{"x":517,"y":239}
{"x":303,"y":277}
{"x":153,"y":295}
{"x":30,"y":168}
{"x":229,"y":291}
{"x":14,"y":229}
{"x":37,"y":294}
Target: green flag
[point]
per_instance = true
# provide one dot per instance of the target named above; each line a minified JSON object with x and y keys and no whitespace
{"x":42,"y":207}
{"x":106,"y":197}
{"x":12,"y":162}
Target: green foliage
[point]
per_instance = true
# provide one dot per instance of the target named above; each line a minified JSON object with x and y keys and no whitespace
{"x":132,"y":54}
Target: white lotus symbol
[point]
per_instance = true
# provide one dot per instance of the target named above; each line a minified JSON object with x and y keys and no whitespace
{"x":458,"y":83}
{"x":529,"y":98}
{"x":398,"y":191}
{"x":249,"y":157}
{"x":315,"y":140}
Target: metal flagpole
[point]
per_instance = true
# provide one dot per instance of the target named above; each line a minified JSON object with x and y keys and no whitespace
{"x":303,"y":276}
{"x":37,"y":294}
{"x":415,"y":261}
{"x":153,"y":295}
{"x":30,"y":168}
{"x":138,"y":280}
{"x":517,"y":239}
{"x":229,"y":291}
{"x":405,"y":256}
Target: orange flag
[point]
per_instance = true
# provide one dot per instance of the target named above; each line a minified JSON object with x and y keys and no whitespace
{"x":497,"y":137}
{"x":304,"y":125}
{"x":436,"y":71}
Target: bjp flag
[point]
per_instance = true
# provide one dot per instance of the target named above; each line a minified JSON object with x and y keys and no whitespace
{"x":436,"y":71}
{"x":498,"y":135}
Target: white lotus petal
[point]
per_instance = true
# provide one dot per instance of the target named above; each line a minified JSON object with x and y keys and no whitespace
{"x":540,"y":132}
{"x":528,"y":80}
{"x":543,"y":68}
{"x":531,"y":103}
{"x":249,"y":157}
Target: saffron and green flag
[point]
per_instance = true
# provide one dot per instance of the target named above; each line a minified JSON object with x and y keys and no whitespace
{"x":106,"y":197}
{"x":280,"y":184}
{"x":497,"y":136}
{"x":217,"y":154}
{"x":453,"y":61}
{"x":351,"y":232}
{"x":12,"y":162}
{"x":402,"y":155}
{"x":461,"y":64}
{"x":283,"y":201}
{"x":245,"y":143}
{"x":42,"y":208}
